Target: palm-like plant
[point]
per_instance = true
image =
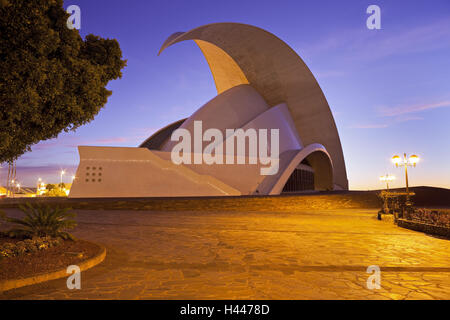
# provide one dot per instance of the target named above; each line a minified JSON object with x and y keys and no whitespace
{"x":43,"y":221}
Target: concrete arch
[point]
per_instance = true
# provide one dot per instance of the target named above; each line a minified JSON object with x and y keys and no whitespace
{"x":240,"y":54}
{"x":320,"y":161}
{"x":226,"y":73}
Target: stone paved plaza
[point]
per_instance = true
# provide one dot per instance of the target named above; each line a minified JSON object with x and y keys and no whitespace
{"x":317,"y":254}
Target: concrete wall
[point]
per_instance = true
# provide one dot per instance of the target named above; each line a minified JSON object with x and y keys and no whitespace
{"x":138,"y":172}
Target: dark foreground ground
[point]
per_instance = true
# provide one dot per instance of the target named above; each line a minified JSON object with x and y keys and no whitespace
{"x":280,"y":248}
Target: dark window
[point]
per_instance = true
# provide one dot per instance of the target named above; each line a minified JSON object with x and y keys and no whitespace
{"x":300,"y":180}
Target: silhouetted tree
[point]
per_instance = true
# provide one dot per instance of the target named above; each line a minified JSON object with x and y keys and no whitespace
{"x":51,"y":80}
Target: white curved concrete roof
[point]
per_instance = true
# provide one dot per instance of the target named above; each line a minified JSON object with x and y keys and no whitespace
{"x":230,"y":109}
{"x":243,"y":54}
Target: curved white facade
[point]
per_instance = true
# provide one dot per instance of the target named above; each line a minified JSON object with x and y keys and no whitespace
{"x":262,"y":85}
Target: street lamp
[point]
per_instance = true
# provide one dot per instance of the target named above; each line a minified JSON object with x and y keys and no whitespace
{"x":411,"y":161}
{"x":387,"y":178}
{"x":62,"y":173}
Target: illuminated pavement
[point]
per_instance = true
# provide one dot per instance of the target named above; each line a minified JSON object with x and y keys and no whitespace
{"x":302,"y":255}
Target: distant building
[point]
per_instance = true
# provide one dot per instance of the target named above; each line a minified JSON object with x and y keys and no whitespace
{"x":262,"y":84}
{"x":22,"y":192}
{"x":3,"y":192}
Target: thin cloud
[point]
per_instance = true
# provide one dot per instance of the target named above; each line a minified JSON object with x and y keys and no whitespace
{"x":397,"y":111}
{"x":45,"y":145}
{"x":112,"y":140}
{"x":390,"y":122}
{"x":73,"y":142}
{"x":364,"y":44}
{"x":407,"y":118}
{"x":422,"y":38}
{"x":370,"y":126}
{"x":47,"y":168}
{"x":28,"y":175}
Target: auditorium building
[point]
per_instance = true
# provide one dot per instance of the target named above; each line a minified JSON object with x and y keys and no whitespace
{"x":261,"y":84}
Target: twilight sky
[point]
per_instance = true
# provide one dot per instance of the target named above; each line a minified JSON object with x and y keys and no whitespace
{"x":389,"y":89}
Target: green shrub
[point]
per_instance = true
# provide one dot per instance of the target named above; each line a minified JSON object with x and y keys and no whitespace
{"x":30,"y":245}
{"x":43,"y":221}
{"x":50,"y":187}
{"x":435,"y":217}
{"x":19,"y":248}
{"x":56,"y":192}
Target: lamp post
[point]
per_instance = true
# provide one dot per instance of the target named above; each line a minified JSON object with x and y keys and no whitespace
{"x":411,"y":161}
{"x":62,"y":173}
{"x":38,"y":186}
{"x":385,"y":195}
{"x":387,"y":178}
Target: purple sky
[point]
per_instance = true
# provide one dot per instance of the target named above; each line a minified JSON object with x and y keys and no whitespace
{"x":388,"y":89}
